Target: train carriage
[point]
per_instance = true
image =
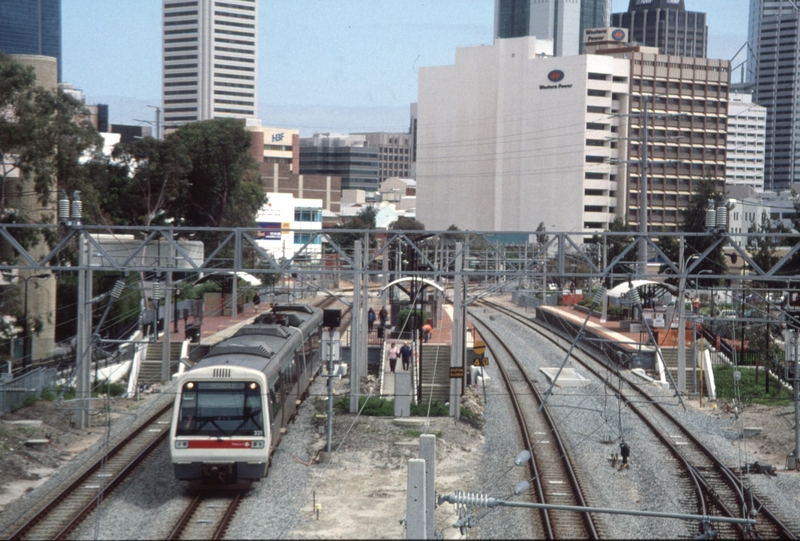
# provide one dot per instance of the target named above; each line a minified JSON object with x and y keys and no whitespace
{"x":230,"y":407}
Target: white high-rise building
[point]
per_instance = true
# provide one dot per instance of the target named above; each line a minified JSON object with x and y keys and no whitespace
{"x":530,"y":141}
{"x":210,"y":60}
{"x":746,"y":133}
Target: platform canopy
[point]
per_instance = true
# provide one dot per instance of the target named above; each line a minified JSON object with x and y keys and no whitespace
{"x":621,"y":289}
{"x":412,"y":279}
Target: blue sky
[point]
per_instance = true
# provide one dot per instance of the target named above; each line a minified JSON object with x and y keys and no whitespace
{"x":324,"y":65}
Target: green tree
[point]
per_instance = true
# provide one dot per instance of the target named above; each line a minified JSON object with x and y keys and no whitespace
{"x":365,"y":219}
{"x":154,"y":177}
{"x":694,"y":220}
{"x":224,"y":187}
{"x":45,"y":138}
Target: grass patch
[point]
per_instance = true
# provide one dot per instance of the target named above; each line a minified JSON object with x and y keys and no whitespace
{"x":437,"y":410}
{"x":378,"y":407}
{"x":114,"y":389}
{"x":750,"y":391}
{"x":471,"y":419}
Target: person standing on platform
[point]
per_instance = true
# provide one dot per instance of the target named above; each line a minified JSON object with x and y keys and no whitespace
{"x":370,"y":319}
{"x":383,"y":315}
{"x":405,"y":354}
{"x":392,"y":356}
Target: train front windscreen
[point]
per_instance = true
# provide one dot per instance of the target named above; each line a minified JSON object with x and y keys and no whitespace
{"x":220,"y":409}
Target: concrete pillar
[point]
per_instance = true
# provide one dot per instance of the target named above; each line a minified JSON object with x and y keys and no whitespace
{"x":427,"y":452}
{"x":416,"y":525}
{"x":402,"y":394}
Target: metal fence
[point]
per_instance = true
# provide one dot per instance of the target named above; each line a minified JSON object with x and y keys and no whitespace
{"x":15,"y":392}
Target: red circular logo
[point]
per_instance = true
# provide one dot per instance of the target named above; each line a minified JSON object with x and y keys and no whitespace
{"x":618,"y":35}
{"x":556,"y":76}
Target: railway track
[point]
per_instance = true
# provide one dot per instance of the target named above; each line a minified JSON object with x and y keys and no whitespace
{"x":715,"y":488}
{"x":552,"y":476}
{"x":72,"y":504}
{"x":207,"y":516}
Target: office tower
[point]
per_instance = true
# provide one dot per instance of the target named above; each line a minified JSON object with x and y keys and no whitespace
{"x":665,"y":24}
{"x":345,"y":156}
{"x":687,"y":127}
{"x":746,"y":133}
{"x":210,"y":60}
{"x":562,"y":21}
{"x":526,"y":143}
{"x":394,"y":153}
{"x":31,"y":27}
{"x":775,"y":42}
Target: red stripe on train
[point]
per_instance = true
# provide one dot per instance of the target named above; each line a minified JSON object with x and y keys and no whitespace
{"x":216,"y":444}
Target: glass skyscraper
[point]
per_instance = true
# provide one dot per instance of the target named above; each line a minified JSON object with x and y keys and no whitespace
{"x":665,"y":24}
{"x":31,"y":27}
{"x":774,"y":44}
{"x":563,"y":21}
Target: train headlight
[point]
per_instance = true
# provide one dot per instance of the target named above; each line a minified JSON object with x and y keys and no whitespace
{"x":254,"y":386}
{"x":190,"y":385}
{"x":181,"y":444}
{"x":258,"y":444}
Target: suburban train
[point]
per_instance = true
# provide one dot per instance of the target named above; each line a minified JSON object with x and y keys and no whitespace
{"x":231,"y":406}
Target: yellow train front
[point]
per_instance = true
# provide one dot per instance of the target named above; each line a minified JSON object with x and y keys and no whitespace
{"x":231,"y":406}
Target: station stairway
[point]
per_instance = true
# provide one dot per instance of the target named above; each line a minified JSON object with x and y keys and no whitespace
{"x":670,"y":356}
{"x":150,"y":368}
{"x":435,"y":383}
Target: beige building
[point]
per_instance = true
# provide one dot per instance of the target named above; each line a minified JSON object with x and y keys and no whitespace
{"x":687,"y":127}
{"x":36,"y":289}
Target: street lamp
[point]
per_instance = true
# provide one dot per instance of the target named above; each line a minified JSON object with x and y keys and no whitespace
{"x":26,"y":347}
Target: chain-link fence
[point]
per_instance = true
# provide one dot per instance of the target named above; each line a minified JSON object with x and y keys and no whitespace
{"x":15,"y":392}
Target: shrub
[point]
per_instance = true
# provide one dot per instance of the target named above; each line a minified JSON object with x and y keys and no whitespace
{"x":437,"y":409}
{"x":406,"y":318}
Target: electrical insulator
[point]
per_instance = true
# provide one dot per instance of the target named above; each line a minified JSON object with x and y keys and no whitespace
{"x":157,"y":291}
{"x":77,"y":208}
{"x":711,"y":218}
{"x":722,"y":218}
{"x":116,"y":293}
{"x":633,"y":296}
{"x":598,"y":296}
{"x":63,"y":208}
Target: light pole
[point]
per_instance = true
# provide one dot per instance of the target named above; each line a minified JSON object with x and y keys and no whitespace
{"x":26,"y":347}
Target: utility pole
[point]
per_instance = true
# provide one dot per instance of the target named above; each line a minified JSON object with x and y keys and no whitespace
{"x":355,"y":328}
{"x":643,"y":188}
{"x":158,"y":121}
{"x":459,"y":324}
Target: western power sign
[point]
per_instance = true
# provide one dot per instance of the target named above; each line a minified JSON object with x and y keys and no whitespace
{"x":605,"y":35}
{"x":555,"y":77}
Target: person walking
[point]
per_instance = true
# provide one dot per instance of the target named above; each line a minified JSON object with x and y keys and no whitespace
{"x":383,"y":315}
{"x":405,"y":354}
{"x":392,"y":356}
{"x":625,"y":451}
{"x":370,"y":319}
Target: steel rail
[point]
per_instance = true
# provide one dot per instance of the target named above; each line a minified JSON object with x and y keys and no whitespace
{"x":587,"y":520}
{"x":56,"y":501}
{"x":731,"y":482}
